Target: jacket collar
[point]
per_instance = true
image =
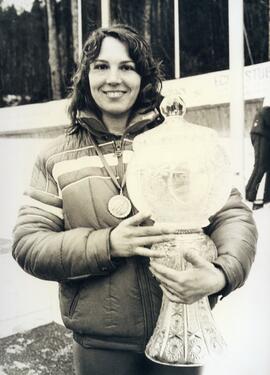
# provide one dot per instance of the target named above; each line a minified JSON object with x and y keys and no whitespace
{"x":89,"y":121}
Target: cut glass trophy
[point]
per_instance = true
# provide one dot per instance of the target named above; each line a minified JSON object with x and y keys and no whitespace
{"x":181,"y":174}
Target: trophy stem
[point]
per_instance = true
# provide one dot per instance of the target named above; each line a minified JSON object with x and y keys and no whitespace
{"x":167,"y":332}
{"x":185,"y":335}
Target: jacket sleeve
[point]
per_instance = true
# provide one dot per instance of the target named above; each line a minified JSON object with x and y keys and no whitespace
{"x":43,"y":247}
{"x":234,"y":233}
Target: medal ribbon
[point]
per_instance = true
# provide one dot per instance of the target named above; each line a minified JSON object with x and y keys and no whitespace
{"x":108,"y":168}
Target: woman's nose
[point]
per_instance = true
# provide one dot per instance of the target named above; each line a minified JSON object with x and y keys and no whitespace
{"x":113,"y":77}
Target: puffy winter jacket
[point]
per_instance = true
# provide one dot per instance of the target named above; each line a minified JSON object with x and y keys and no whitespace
{"x":63,"y":230}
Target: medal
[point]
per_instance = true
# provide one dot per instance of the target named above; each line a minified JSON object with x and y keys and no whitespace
{"x":119,"y":206}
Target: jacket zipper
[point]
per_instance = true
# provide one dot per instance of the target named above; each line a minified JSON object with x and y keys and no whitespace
{"x":143,"y":279}
{"x":146,"y":301}
{"x":118,"y":147}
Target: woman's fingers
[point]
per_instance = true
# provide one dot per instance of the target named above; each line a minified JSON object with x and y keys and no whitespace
{"x":172,"y":297}
{"x":153,"y":230}
{"x":163,"y":271}
{"x":172,"y":289}
{"x":164,"y":278}
{"x":137,"y":219}
{"x":149,"y":230}
{"x":145,"y":252}
{"x":195,"y":259}
{"x":151,"y":240}
{"x":129,"y":235}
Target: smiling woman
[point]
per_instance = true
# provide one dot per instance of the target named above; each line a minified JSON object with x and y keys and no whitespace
{"x":77,"y":225}
{"x":122,"y":62}
{"x":114,"y":84}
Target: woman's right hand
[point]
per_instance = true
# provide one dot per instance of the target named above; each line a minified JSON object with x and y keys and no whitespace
{"x":130,"y":239}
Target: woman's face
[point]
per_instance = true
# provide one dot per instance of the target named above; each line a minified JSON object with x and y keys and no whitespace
{"x":113,"y":80}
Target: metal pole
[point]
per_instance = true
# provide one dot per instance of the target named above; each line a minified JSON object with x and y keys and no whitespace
{"x":237,"y":118}
{"x":176,"y":40}
{"x":79,"y":2}
{"x":105,"y":13}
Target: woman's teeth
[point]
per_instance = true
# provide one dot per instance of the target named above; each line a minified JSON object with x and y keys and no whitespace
{"x":114,"y":94}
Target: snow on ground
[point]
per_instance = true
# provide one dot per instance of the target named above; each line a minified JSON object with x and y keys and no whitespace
{"x":44,"y":350}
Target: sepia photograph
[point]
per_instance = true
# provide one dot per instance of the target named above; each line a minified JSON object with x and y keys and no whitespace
{"x":135,"y":193}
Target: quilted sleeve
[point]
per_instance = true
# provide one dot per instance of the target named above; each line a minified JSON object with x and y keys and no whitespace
{"x":234,"y":233}
{"x":43,"y":248}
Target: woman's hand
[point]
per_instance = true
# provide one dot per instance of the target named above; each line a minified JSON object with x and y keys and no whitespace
{"x":190,"y":285}
{"x":129,"y":238}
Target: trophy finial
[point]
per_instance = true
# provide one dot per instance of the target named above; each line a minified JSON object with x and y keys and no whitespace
{"x":173,"y":105}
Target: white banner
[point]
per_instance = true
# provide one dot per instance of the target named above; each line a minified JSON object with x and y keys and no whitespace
{"x":213,"y":88}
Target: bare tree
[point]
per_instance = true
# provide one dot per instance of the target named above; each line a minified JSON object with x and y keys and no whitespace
{"x":74,"y":14}
{"x":147,"y":20}
{"x":54,"y":60}
{"x":268,"y":30}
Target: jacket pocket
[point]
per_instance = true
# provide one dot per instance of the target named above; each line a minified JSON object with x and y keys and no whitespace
{"x":74,"y":302}
{"x":69,"y":294}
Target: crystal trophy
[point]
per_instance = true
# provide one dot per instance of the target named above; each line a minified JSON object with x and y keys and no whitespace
{"x":181,"y":174}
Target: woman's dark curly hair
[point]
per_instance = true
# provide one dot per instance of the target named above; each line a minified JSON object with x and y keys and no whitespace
{"x":139,"y":52}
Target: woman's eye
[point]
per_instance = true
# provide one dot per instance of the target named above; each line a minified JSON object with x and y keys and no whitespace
{"x":100,"y":66}
{"x":127,"y":67}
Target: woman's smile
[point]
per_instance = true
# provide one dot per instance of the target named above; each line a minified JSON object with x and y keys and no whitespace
{"x":115,"y":94}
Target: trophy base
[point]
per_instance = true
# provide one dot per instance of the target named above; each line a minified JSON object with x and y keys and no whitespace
{"x":173,"y":364}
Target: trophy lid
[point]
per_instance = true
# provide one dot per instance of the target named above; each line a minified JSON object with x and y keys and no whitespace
{"x":173,"y":105}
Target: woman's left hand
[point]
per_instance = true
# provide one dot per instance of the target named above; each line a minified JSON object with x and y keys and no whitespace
{"x":190,"y":285}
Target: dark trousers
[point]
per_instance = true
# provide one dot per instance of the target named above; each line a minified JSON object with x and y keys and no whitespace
{"x":120,"y":362}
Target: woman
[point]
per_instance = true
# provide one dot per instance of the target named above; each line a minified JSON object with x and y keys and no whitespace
{"x":73,"y":230}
